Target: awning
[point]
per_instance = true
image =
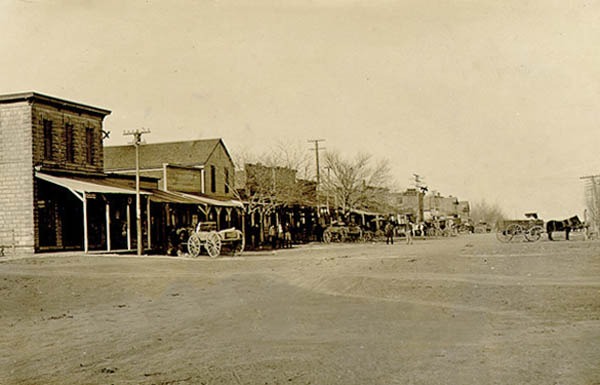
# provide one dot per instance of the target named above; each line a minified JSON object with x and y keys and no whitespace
{"x":97,"y":185}
{"x":162,"y":196}
{"x":80,"y":185}
{"x":215,"y":202}
{"x":363,"y":212}
{"x":184,"y":198}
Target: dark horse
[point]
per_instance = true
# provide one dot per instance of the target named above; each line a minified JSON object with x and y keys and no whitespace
{"x":567,"y":226}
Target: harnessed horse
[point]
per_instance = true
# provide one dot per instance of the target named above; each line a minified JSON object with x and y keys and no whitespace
{"x":566,"y":225}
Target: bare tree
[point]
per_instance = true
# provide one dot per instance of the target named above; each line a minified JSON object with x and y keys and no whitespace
{"x":270,"y":181}
{"x":356,"y":183}
{"x":483,"y":211}
{"x":293,"y":155}
{"x":277,"y":177}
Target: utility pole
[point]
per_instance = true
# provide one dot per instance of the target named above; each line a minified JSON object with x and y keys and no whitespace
{"x":421,"y":190}
{"x":316,"y":142}
{"x":137,"y":141}
{"x":591,"y":196}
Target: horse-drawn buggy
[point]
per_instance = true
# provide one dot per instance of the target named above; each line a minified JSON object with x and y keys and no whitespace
{"x":341,"y":232}
{"x":206,"y":237}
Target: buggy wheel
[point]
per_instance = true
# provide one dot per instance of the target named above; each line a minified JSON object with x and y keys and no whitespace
{"x":343,"y":235}
{"x":213,"y":245}
{"x":239,"y":245}
{"x":361,"y":236}
{"x":503,"y":236}
{"x":534,"y":234}
{"x":514,"y":231}
{"x":194,"y":245}
{"x":327,"y":236}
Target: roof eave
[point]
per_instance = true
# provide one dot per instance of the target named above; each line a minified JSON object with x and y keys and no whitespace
{"x":62,"y":103}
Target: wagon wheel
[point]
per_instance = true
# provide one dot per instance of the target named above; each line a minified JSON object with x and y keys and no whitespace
{"x":361,"y":236}
{"x":238,"y":247}
{"x":343,"y":235}
{"x":194,"y":245}
{"x":534,"y":234}
{"x":213,"y":245}
{"x":514,"y":231}
{"x":327,"y":236}
{"x":368,"y":236}
{"x":503,"y":236}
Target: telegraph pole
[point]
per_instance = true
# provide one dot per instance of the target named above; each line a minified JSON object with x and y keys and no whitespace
{"x":137,"y":141}
{"x":591,"y":195}
{"x":421,"y":190}
{"x":316,"y":142}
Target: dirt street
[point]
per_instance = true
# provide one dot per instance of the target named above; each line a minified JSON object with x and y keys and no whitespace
{"x":464,"y":310}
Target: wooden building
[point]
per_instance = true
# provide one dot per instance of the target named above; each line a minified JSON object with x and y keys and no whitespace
{"x":195,"y":183}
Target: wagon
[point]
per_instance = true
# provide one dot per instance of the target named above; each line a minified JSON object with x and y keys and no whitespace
{"x":512,"y":230}
{"x":340,"y":232}
{"x":208,"y":238}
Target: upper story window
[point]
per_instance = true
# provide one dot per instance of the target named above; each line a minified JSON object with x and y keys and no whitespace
{"x":226,"y":180}
{"x":69,"y":145}
{"x":213,"y":179}
{"x":47,"y":139}
{"x":89,"y":144}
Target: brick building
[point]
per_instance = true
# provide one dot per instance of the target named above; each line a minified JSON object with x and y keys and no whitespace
{"x":436,"y":205}
{"x":54,"y":192}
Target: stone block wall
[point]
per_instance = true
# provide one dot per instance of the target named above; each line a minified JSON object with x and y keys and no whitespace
{"x":16,"y":176}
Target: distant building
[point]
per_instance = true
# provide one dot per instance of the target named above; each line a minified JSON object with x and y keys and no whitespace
{"x":410,"y":202}
{"x":436,"y":205}
{"x":274,"y":196}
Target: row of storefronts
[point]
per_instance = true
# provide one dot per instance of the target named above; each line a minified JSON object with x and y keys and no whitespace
{"x":64,"y":190}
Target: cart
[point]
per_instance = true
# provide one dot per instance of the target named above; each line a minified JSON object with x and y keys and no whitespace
{"x":340,"y":232}
{"x":208,"y":238}
{"x":513,"y":230}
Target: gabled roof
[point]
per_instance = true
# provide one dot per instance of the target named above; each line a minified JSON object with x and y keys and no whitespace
{"x":154,"y":155}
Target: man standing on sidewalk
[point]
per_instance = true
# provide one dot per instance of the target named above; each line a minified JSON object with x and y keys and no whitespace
{"x":389,"y":233}
{"x":409,"y":232}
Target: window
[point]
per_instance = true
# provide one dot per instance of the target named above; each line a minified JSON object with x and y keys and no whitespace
{"x":226,"y":180}
{"x":89,"y":141}
{"x":47,"y":139}
{"x":69,"y":148}
{"x":213,"y":179}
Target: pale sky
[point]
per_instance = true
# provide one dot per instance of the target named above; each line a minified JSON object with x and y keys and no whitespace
{"x":494,"y":100}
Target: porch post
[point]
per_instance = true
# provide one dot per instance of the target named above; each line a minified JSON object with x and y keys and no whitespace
{"x":128,"y":226}
{"x":148,"y":217}
{"x":218,"y":211}
{"x":228,"y":210}
{"x":243,"y":215}
{"x":85,"y":224}
{"x":108,"y":248}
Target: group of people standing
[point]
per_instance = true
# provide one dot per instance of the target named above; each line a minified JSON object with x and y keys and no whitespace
{"x":408,"y":230}
{"x":280,"y":236}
